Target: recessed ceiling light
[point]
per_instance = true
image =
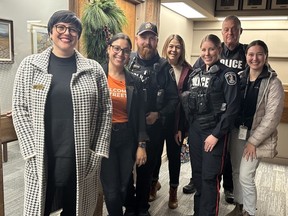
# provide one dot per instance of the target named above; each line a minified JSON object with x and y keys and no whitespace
{"x":183,"y":9}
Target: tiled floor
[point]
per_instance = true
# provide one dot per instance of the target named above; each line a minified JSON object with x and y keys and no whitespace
{"x":271,"y":180}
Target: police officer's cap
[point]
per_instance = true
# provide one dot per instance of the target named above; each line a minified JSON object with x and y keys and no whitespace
{"x":147,"y":27}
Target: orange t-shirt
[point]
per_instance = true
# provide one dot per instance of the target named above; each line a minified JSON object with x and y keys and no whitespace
{"x":119,"y":100}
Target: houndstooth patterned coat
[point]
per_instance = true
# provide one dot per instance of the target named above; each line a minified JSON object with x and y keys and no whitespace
{"x":92,"y":125}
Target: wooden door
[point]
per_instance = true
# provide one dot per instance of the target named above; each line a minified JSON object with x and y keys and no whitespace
{"x":129,"y":10}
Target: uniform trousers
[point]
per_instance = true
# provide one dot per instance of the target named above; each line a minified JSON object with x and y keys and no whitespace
{"x":137,"y":198}
{"x":173,"y":154}
{"x":116,"y":170}
{"x":244,"y":172}
{"x":206,"y":168}
{"x":227,"y":174}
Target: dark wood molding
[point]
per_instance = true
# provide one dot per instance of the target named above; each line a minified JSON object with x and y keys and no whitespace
{"x":266,"y":12}
{"x":136,"y":1}
{"x":152,"y":11}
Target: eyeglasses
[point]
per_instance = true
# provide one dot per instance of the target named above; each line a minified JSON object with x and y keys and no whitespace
{"x":61,"y":29}
{"x":118,"y":49}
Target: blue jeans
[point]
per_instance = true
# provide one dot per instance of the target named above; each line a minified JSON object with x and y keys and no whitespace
{"x":116,"y":170}
{"x":137,"y":197}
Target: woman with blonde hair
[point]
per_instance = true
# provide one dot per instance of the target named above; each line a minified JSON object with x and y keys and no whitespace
{"x":174,"y":133}
{"x":211,"y":105}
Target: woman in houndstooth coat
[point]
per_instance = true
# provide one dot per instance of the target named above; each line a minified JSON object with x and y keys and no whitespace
{"x":62,"y":116}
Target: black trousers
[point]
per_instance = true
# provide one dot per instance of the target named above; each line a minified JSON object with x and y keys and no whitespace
{"x":137,"y":198}
{"x":227,"y":174}
{"x":116,"y":170}
{"x":61,"y":197}
{"x":173,"y":154}
{"x":206,"y":169}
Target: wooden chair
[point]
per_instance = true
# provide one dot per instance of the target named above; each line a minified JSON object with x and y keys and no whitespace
{"x":7,"y":134}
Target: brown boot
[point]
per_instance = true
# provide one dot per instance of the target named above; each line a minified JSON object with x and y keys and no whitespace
{"x":237,"y":211}
{"x":173,"y":201}
{"x":153,"y":190}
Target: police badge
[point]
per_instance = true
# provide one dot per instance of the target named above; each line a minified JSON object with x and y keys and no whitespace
{"x":231,"y":78}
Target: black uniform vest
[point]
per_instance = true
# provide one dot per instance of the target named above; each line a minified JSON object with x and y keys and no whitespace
{"x":207,"y":100}
{"x":153,"y":81}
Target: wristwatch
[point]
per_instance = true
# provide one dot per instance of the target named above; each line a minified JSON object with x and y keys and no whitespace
{"x":142,"y":145}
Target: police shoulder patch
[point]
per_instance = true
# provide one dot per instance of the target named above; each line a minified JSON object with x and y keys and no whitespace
{"x":231,"y":78}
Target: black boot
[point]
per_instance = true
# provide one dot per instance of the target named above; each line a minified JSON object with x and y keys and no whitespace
{"x":155,"y":186}
{"x":229,"y":196}
{"x":237,"y":211}
{"x":190,"y":188}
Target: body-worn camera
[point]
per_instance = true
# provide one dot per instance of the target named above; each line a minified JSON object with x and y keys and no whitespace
{"x":192,"y":101}
{"x":202,"y":104}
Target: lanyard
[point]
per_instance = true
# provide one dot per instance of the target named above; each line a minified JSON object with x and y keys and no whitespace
{"x":246,"y":87}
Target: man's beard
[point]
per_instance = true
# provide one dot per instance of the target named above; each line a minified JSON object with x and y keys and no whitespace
{"x":146,"y":53}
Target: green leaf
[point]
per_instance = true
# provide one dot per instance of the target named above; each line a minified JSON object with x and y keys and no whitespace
{"x":98,"y":16}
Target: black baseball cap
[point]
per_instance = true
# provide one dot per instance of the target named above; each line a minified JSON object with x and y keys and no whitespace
{"x":147,"y":27}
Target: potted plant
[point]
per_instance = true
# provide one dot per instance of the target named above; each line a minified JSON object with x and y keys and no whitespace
{"x":101,"y":19}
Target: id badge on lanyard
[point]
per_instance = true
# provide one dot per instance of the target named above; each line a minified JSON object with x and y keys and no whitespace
{"x":242,"y":135}
{"x":243,"y":130}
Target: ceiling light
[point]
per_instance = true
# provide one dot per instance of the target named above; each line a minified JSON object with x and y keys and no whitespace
{"x":255,"y":18}
{"x":183,"y":9}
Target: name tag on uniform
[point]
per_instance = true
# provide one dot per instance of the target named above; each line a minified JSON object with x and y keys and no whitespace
{"x":242,"y":132}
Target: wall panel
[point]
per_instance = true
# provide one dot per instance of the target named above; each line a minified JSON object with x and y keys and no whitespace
{"x":273,"y":33}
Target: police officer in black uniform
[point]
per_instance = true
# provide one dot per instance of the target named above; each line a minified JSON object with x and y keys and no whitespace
{"x":211,"y":104}
{"x":161,"y":93}
{"x":233,"y":56}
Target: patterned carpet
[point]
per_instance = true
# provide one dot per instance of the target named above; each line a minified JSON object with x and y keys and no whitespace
{"x":271,"y":181}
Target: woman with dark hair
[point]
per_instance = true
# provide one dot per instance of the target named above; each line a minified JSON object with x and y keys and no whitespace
{"x":128,"y":135}
{"x":62,"y":116}
{"x":174,"y":51}
{"x":211,"y":104}
{"x":255,"y":133}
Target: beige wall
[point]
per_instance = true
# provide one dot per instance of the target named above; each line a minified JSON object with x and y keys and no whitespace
{"x":20,"y":12}
{"x":172,"y":23}
{"x":274,"y":33}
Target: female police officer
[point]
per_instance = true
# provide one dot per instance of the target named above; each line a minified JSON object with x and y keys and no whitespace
{"x":210,"y":105}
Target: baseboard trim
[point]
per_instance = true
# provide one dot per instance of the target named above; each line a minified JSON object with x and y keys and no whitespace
{"x":276,"y":160}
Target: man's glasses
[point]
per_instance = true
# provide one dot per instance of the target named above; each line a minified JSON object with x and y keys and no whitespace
{"x":117,"y":49}
{"x":61,"y":29}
